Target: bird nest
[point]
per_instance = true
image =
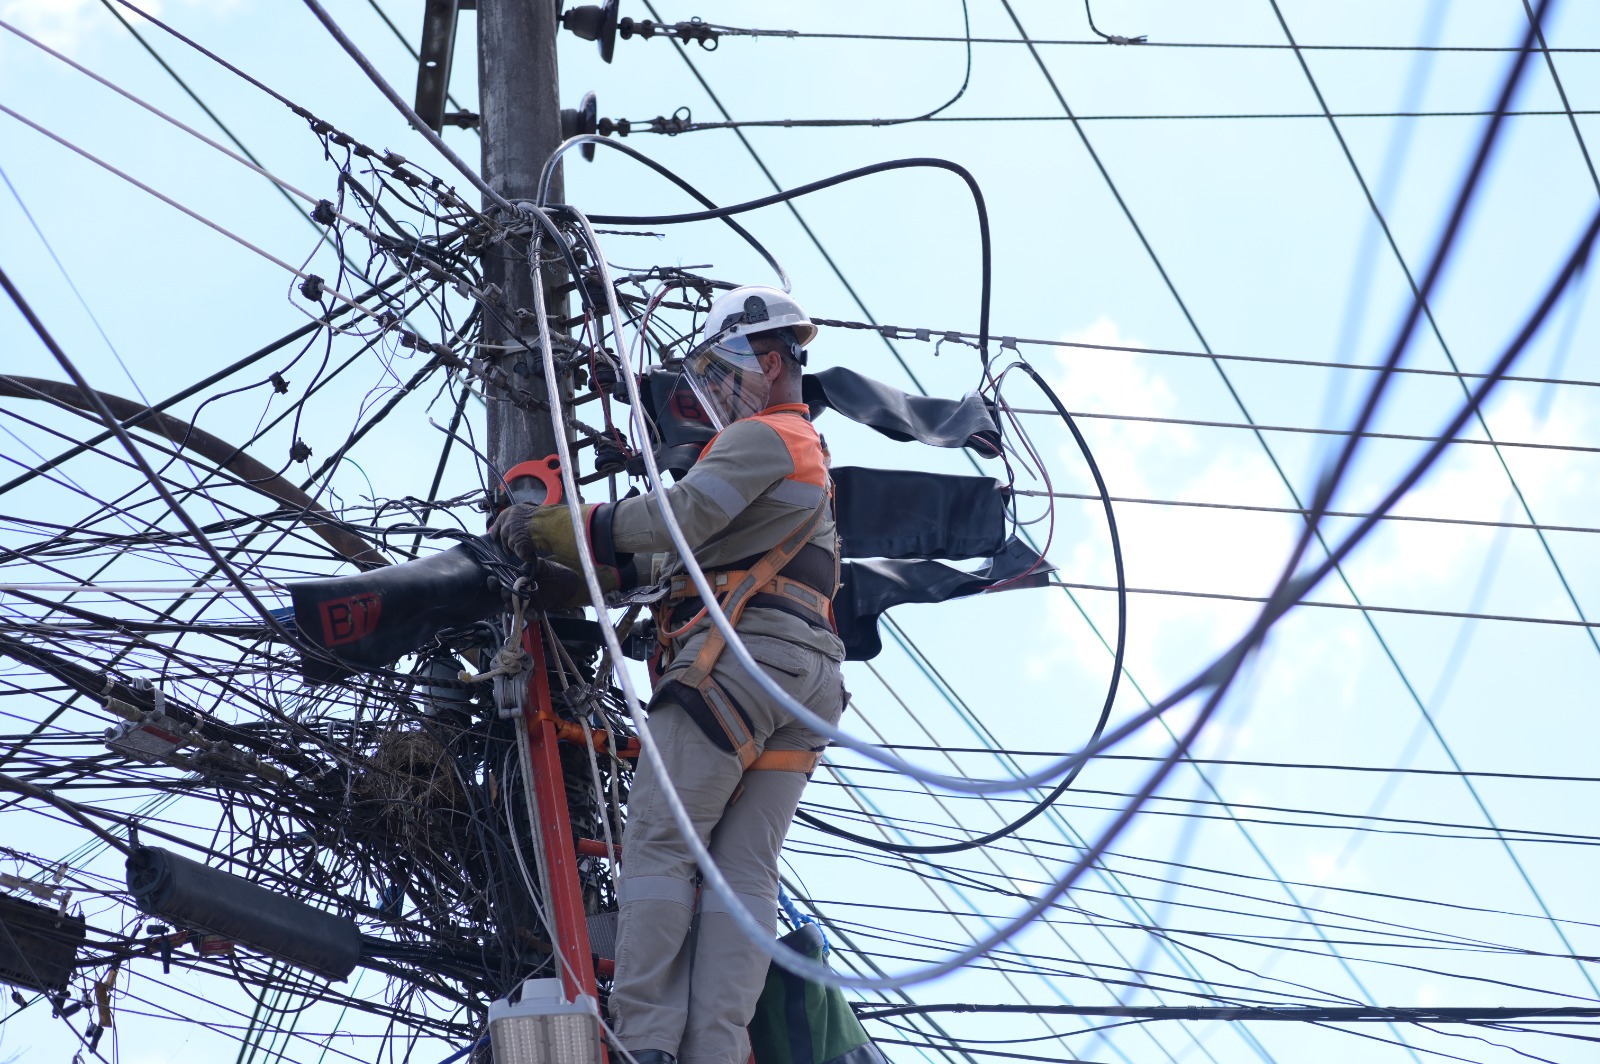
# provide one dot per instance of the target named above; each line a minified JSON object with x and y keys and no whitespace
{"x":409,"y":780}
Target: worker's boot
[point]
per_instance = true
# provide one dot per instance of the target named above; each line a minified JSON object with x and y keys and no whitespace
{"x":654,"y":1056}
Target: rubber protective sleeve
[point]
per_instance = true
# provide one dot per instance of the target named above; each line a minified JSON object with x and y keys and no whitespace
{"x":604,"y":546}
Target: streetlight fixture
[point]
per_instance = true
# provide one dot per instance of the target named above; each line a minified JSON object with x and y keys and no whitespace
{"x":538,"y":1025}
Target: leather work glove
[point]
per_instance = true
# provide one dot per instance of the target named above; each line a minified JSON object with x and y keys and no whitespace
{"x":531,"y":531}
{"x":511,"y":529}
{"x":543,"y":535}
{"x":550,"y":529}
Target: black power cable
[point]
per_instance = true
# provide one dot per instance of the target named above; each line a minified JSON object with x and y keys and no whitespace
{"x":1111,"y":691}
{"x":638,"y":156}
{"x":829,"y":182}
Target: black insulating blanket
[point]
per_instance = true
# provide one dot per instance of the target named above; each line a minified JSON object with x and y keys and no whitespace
{"x":868,"y":588}
{"x":684,"y":428}
{"x":896,"y":513}
{"x":367,"y":620}
{"x":965,"y":422}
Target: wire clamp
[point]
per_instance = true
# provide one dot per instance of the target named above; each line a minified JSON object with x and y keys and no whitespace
{"x":680,"y":122}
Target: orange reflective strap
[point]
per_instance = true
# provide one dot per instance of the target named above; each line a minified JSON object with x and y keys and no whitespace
{"x":786,"y":761}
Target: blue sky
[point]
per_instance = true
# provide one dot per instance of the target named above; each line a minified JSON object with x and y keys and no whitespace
{"x":1265,"y":233}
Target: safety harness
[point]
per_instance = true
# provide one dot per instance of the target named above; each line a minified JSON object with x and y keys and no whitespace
{"x":768,"y":583}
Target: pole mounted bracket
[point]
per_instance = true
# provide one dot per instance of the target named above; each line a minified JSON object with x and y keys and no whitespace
{"x":433,"y":65}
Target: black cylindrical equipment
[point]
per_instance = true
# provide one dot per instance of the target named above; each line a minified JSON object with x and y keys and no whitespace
{"x":192,"y":895}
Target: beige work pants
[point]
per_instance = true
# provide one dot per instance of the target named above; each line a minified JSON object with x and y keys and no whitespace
{"x":693,"y":994}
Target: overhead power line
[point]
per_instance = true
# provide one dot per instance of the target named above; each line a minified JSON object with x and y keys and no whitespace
{"x":681,"y":122}
{"x":1300,"y":1013}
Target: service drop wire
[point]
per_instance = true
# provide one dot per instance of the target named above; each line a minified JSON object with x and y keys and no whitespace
{"x":99,"y":406}
{"x":548,"y":174}
{"x":199,"y":386}
{"x":783,"y":956}
{"x":224,"y":149}
{"x":726,"y":213}
{"x":1111,"y":692}
{"x":411,"y":116}
{"x":1218,"y":677}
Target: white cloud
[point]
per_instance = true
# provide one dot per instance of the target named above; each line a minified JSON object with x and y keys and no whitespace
{"x":61,"y":24}
{"x":1230,"y":552}
{"x":1123,"y":383}
{"x":69,"y":25}
{"x":1164,"y":547}
{"x":1407,"y":559}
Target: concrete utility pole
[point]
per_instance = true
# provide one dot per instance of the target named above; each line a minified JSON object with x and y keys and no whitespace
{"x":520,"y":108}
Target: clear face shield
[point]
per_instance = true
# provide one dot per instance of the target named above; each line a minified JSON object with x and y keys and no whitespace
{"x":725,"y":374}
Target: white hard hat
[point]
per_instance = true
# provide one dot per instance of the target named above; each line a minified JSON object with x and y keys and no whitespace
{"x":756,"y":308}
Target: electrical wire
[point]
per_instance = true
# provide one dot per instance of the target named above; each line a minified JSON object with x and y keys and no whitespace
{"x":784,"y":196}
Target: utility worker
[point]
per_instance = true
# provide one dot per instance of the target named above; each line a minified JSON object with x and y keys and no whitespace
{"x":757,"y":509}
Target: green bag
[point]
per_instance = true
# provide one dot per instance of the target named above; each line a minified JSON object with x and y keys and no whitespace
{"x":801,"y":1022}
